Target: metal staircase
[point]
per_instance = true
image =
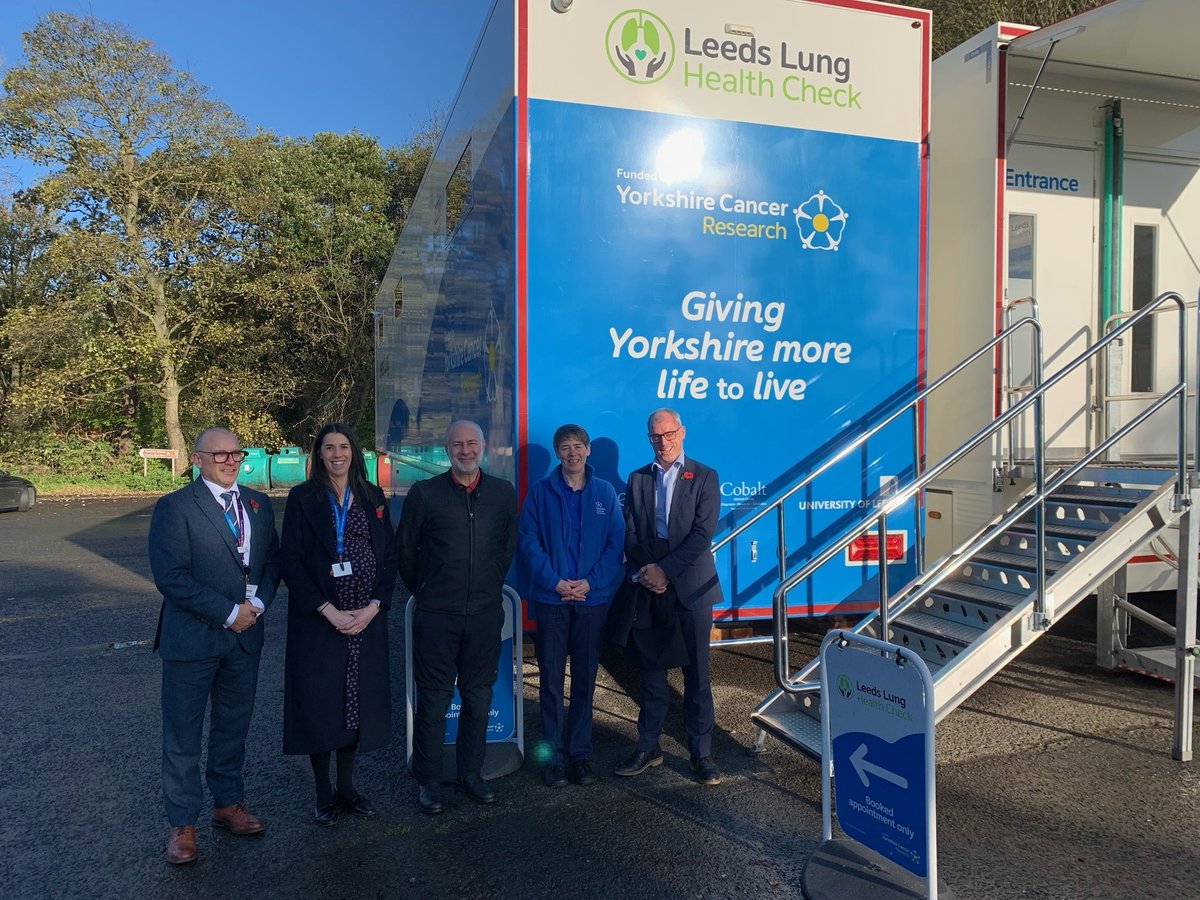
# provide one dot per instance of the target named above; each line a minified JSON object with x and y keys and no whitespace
{"x":974,"y":610}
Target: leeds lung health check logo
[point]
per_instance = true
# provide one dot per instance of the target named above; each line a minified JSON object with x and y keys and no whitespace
{"x":844,"y":687}
{"x":821,"y":222}
{"x":640,"y":46}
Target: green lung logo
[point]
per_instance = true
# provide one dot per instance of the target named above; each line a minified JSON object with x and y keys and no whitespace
{"x":640,"y":46}
{"x":844,"y":687}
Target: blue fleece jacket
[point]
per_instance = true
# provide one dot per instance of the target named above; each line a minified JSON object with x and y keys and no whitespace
{"x":543,"y":533}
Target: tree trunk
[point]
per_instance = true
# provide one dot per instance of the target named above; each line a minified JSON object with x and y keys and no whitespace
{"x":168,"y":364}
{"x":170,"y":395}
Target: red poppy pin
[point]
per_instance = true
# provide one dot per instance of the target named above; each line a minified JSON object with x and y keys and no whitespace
{"x":688,"y":476}
{"x":254,"y":505}
{"x":379,"y":513}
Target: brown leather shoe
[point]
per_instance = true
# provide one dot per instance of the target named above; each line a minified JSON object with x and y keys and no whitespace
{"x":181,"y":844}
{"x":238,"y":819}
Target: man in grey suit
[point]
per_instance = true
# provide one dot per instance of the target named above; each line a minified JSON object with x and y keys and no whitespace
{"x":671,"y":511}
{"x":213,"y":552}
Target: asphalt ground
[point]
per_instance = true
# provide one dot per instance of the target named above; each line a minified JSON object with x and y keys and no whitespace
{"x":1054,"y":781}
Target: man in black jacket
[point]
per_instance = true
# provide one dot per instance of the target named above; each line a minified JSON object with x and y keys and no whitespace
{"x":457,"y":537}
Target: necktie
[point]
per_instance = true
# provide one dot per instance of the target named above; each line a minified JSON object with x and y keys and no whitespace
{"x":229,"y":498}
{"x":660,"y":502}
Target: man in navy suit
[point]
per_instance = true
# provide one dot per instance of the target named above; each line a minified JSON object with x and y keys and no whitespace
{"x":671,"y":511}
{"x":213,"y":552}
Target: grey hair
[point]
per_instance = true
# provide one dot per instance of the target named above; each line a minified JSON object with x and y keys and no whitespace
{"x":664,"y":411}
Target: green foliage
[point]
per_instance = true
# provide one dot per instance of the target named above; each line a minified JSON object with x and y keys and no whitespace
{"x":956,"y":20}
{"x":141,"y":173}
{"x":179,"y":273}
{"x":56,"y":463}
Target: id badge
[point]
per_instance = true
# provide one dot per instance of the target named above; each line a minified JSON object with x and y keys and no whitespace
{"x":341,"y":570}
{"x":251,"y":591}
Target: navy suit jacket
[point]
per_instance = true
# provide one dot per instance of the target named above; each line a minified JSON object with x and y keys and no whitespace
{"x":695,"y":508}
{"x":193,"y":555}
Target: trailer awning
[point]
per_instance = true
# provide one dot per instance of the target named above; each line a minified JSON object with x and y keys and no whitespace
{"x":1147,"y":37}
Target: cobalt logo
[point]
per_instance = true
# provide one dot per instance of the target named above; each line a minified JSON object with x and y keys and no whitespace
{"x":741,"y":490}
{"x":640,"y":46}
{"x":821,"y":222}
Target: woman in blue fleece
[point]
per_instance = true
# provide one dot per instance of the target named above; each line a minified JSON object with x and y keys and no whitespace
{"x":572,"y":536}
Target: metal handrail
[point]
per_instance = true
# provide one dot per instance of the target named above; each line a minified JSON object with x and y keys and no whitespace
{"x":1009,"y":390}
{"x":852,"y":445}
{"x":1036,"y":501}
{"x":1106,"y":398}
{"x":945,"y":567}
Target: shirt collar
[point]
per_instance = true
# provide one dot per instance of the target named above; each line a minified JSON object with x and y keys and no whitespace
{"x":469,"y":488}
{"x":217,"y":490}
{"x":673,"y":467}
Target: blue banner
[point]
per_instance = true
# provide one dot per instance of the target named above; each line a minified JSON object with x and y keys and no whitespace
{"x":764,"y":282}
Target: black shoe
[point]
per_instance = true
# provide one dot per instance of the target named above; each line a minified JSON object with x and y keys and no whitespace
{"x":430,"y":798}
{"x":476,"y":788}
{"x":706,"y":770}
{"x":580,"y":772}
{"x":554,"y":776}
{"x":640,"y":762}
{"x":359,"y":806}
{"x":326,"y":816}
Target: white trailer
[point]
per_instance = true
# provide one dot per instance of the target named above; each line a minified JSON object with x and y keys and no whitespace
{"x":1064,"y":187}
{"x":1065,"y":167}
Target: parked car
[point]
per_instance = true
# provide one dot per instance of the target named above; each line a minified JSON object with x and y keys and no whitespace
{"x":16,"y":492}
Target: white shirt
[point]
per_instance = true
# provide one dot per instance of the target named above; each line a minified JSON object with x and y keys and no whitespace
{"x":670,"y":475}
{"x":217,"y":490}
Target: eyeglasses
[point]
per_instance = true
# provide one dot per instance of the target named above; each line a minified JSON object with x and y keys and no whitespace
{"x":664,"y":437}
{"x":224,"y":456}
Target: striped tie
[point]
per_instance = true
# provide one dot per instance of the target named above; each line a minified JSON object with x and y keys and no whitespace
{"x":229,"y":498}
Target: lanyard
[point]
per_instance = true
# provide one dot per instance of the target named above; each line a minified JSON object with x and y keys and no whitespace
{"x":339,"y":519}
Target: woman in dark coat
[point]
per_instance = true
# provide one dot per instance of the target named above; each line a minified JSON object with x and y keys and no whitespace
{"x":338,"y":558}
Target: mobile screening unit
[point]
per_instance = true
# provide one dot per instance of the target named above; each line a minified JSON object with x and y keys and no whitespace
{"x":1065,"y":186}
{"x":713,"y":207}
{"x":1060,"y":407}
{"x":1065,"y":169}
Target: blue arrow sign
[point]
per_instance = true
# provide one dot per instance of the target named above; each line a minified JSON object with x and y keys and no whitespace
{"x":880,"y":737}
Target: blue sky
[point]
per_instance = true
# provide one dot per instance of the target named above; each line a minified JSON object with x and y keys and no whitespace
{"x":294,"y":67}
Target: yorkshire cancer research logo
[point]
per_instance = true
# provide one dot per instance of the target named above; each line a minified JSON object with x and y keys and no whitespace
{"x":844,"y":687}
{"x":821,"y":222}
{"x":640,"y":46}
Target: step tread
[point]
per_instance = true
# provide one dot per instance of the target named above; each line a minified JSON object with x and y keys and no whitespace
{"x":935,"y":626}
{"x":1097,"y":497}
{"x":971,"y":590}
{"x":1054,"y":529}
{"x":795,"y":728}
{"x":1007,"y":558}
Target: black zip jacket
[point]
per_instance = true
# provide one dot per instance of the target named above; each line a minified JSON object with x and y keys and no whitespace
{"x":454,"y":547}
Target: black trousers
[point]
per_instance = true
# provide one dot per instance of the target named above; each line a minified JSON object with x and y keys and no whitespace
{"x":448,"y":646}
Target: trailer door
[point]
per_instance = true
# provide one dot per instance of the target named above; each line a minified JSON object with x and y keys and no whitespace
{"x":1160,"y":252}
{"x":1051,"y":209}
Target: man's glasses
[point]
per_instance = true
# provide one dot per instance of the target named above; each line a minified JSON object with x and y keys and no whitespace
{"x":664,"y":437}
{"x":224,"y":456}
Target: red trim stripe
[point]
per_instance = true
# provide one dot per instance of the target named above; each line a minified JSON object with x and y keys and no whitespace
{"x":834,"y":607}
